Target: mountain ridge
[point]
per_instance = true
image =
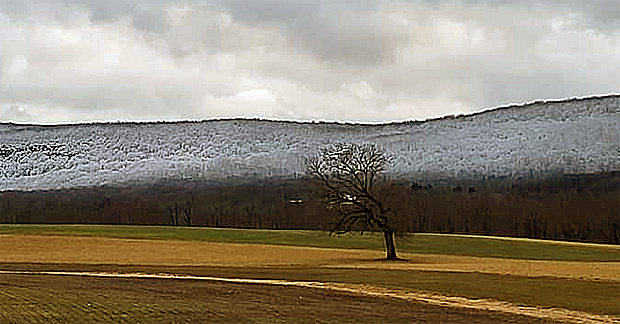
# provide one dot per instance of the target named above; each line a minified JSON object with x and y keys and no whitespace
{"x":331,"y":122}
{"x":533,"y":140}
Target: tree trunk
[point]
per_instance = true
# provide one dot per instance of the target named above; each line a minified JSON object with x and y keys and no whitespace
{"x":390,"y":248}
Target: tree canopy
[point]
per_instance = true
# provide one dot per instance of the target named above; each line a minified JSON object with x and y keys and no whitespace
{"x":349,"y":172}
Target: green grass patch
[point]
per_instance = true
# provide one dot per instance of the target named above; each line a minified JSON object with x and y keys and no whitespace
{"x":414,"y":243}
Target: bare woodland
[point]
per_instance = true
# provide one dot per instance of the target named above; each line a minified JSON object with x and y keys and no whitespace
{"x":584,"y":207}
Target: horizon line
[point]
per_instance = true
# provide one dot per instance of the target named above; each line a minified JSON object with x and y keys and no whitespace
{"x":315,"y":121}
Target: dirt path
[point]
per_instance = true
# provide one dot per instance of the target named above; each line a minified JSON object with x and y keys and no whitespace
{"x":560,"y":315}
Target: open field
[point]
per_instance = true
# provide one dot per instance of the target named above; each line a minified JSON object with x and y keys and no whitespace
{"x":104,"y":250}
{"x":419,"y":243}
{"x":587,"y":286}
{"x":61,"y":299}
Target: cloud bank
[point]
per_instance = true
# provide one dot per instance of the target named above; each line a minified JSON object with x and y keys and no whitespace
{"x":368,"y":61}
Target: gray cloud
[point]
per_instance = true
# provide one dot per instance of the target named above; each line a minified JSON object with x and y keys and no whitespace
{"x":339,"y":32}
{"x":149,"y":16}
{"x":64,"y":60}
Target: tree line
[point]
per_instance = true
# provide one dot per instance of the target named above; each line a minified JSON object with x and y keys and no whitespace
{"x":582,"y":207}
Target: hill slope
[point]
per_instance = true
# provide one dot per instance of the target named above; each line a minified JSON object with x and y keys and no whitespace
{"x":520,"y":141}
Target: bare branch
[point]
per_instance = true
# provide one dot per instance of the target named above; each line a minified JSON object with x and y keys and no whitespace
{"x":348,"y":172}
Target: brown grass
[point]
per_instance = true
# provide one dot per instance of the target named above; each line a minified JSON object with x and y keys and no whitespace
{"x":591,"y":287}
{"x":607,"y":271}
{"x":98,"y":250}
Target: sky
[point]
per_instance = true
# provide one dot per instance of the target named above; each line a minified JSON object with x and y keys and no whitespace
{"x":66,"y":61}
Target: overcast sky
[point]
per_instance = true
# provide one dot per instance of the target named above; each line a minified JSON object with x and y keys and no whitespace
{"x":368,"y":61}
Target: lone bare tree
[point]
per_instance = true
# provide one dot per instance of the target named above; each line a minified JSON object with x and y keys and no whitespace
{"x":348,"y":173}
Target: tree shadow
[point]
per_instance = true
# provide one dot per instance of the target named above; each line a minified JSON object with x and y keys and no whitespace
{"x":393,"y":260}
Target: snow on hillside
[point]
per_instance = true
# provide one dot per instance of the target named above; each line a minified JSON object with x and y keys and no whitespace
{"x":532,"y":140}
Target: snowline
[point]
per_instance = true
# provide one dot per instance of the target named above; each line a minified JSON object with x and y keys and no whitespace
{"x":557,"y":314}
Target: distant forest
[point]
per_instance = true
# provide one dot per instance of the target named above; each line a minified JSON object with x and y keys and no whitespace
{"x":582,"y":207}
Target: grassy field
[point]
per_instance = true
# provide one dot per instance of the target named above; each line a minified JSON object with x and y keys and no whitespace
{"x":414,"y":243}
{"x":581,"y":277}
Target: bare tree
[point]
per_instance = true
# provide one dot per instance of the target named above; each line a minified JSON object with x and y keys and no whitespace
{"x":175,"y":213}
{"x":188,"y":214}
{"x":348,"y":173}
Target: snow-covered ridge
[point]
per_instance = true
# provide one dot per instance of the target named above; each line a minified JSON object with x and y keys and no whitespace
{"x":532,"y":140}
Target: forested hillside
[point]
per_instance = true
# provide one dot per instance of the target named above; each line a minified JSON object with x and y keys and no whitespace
{"x":531,"y":141}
